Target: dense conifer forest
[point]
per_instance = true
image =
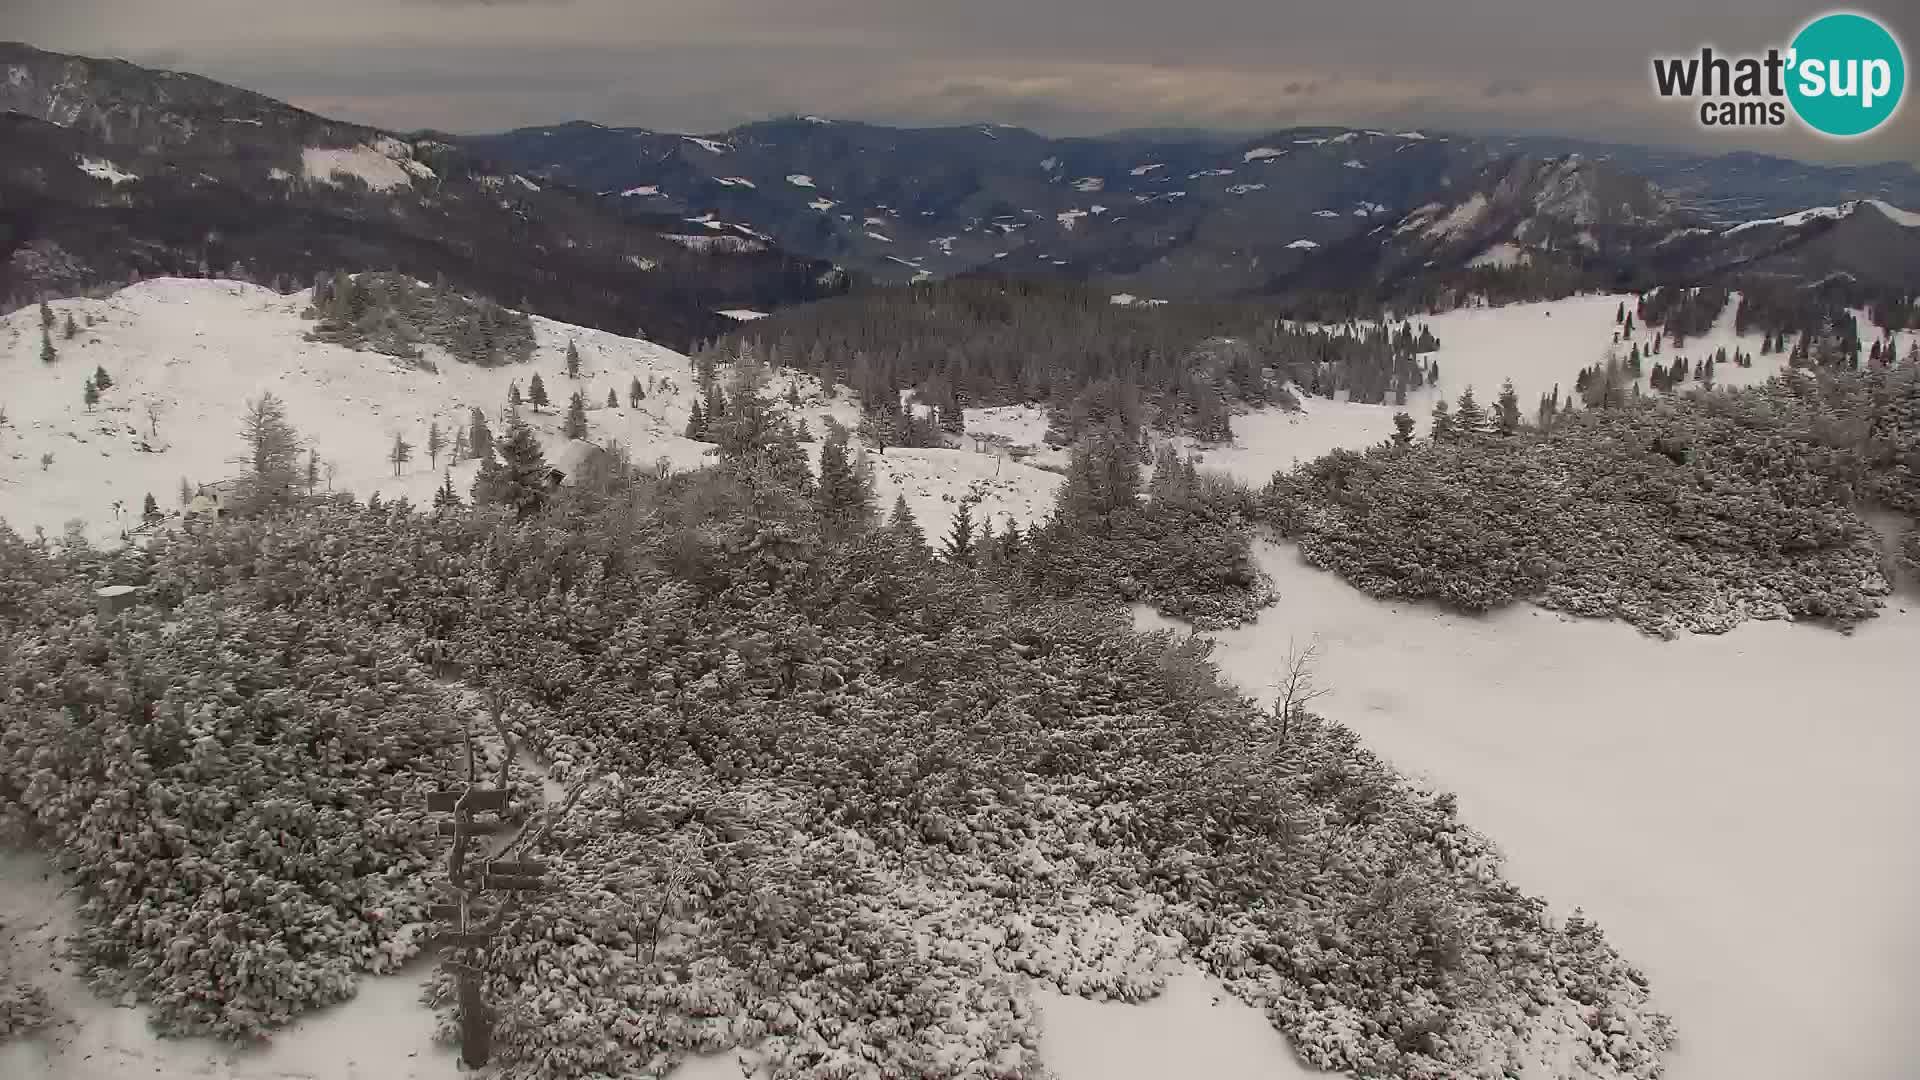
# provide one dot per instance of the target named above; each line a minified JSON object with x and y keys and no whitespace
{"x":1172,"y":368}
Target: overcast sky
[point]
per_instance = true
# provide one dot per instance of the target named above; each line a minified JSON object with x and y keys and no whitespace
{"x":1063,"y":67}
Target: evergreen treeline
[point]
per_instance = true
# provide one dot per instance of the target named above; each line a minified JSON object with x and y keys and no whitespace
{"x":394,"y":314}
{"x":1182,"y":543}
{"x":992,"y":341}
{"x":1682,"y":312}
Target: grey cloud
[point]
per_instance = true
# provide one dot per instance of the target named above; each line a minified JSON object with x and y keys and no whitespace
{"x":1062,"y":66}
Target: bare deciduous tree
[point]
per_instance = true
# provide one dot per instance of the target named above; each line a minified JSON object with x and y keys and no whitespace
{"x":1297,"y":684}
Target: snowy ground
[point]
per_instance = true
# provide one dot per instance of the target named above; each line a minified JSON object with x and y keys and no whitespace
{"x":1736,"y":811}
{"x":383,"y":1034}
{"x":1538,"y":346}
{"x":200,"y":349}
{"x":1195,"y":1028}
{"x":934,"y":481}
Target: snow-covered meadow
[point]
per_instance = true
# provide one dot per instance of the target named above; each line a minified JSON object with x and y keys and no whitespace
{"x":1539,"y":346}
{"x":198,"y":350}
{"x":1736,"y":811}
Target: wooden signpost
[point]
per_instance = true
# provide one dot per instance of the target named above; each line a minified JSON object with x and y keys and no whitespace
{"x":471,"y":922}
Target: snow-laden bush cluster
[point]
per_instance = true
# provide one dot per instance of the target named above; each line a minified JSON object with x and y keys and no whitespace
{"x":23,"y":1006}
{"x":1674,"y":514}
{"x":1182,"y":543}
{"x":237,"y":792}
{"x":843,"y":799}
{"x":394,"y":314}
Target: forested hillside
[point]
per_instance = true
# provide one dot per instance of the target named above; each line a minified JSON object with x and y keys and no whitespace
{"x":1094,"y":363}
{"x":112,"y":173}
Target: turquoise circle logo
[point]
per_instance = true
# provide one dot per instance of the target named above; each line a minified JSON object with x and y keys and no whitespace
{"x":1847,"y":75}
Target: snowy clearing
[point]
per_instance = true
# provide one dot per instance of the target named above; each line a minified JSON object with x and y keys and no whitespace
{"x":1634,"y":797}
{"x":375,"y":169}
{"x":1900,"y":217}
{"x":1501,"y":254}
{"x":1815,"y":213}
{"x":106,"y":170}
{"x":1632,"y":794}
{"x":1460,"y":218}
{"x":1540,"y":346}
{"x":1195,"y":1029}
{"x":199,"y":349}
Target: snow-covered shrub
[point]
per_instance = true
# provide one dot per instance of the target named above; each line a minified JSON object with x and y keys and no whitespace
{"x":394,"y":314}
{"x":23,"y":1008}
{"x":1186,"y":549}
{"x":238,"y":793}
{"x":843,"y":799}
{"x":1672,"y":514}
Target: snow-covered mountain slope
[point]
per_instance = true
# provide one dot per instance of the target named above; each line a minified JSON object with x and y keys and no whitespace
{"x":111,"y":172}
{"x":197,"y":350}
{"x":1631,"y":777}
{"x":1539,"y":346}
{"x":1621,"y":773}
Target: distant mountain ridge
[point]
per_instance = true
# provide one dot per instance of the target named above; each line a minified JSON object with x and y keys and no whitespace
{"x":1183,"y":218}
{"x":1741,"y":185}
{"x":109,"y":171}
{"x":1197,"y":217}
